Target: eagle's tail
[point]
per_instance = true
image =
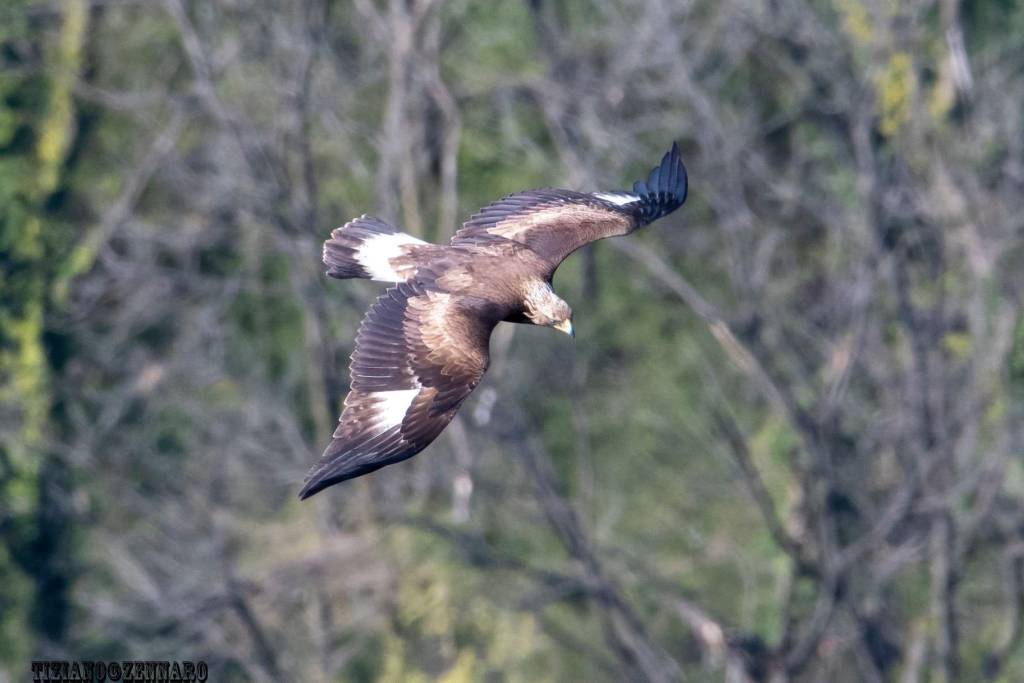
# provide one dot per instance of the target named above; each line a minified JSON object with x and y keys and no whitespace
{"x":364,"y":248}
{"x":664,"y":190}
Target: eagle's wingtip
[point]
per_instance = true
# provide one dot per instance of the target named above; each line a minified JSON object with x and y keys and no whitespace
{"x":666,"y":187}
{"x":313,"y":485}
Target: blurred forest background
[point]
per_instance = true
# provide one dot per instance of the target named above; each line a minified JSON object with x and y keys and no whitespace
{"x":785,"y":445}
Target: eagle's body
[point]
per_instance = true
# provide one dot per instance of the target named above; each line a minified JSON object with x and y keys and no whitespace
{"x":423,"y":346}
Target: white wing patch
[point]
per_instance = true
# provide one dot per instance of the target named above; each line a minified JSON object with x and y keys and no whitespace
{"x":391,"y":407}
{"x":617,"y":198}
{"x":375,"y":255}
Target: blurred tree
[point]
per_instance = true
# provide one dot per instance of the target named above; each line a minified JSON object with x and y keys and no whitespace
{"x":42,"y":57}
{"x":784,"y":446}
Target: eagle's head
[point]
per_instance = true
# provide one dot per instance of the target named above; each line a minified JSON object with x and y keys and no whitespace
{"x":543,"y":307}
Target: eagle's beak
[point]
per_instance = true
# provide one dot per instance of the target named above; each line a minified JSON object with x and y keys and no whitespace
{"x":566,"y":326}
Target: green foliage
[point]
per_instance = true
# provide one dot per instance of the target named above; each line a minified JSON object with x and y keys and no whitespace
{"x":36,"y":132}
{"x":895,"y":90}
{"x":171,"y":359}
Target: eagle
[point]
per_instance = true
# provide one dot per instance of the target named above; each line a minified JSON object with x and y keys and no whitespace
{"x":422,"y":347}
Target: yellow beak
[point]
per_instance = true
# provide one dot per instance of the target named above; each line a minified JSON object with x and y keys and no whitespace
{"x":565,"y":326}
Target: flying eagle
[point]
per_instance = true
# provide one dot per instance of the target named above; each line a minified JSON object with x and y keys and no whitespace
{"x":423,"y":345}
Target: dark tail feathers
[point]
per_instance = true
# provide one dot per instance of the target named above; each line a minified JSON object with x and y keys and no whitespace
{"x":347,"y":254}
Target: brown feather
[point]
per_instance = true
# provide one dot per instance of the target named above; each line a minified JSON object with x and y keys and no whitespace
{"x":414,"y":338}
{"x":553,"y":223}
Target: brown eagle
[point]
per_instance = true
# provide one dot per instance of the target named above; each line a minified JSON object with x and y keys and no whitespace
{"x":423,"y":346}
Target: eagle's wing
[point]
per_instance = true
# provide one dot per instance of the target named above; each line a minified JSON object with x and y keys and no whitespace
{"x":555,"y":223}
{"x":419,"y":353}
